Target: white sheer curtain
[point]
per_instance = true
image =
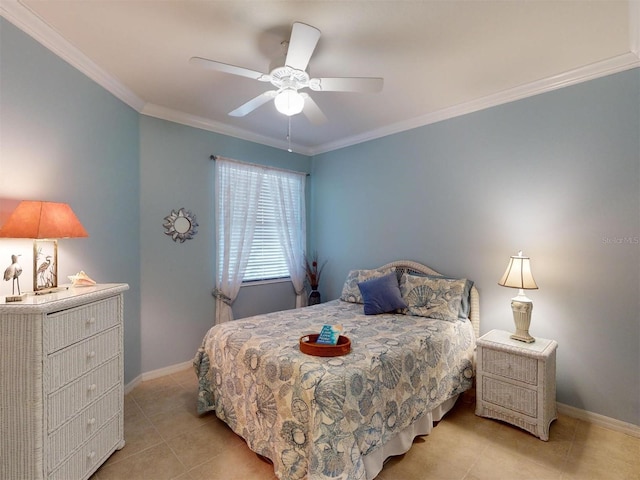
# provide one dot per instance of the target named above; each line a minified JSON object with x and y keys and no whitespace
{"x":288,"y":191}
{"x":237,"y":192}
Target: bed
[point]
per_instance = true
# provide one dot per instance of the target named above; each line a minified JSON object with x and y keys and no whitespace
{"x":340,"y":417}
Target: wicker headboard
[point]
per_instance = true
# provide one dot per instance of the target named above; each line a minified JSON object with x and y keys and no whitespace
{"x":407,"y":266}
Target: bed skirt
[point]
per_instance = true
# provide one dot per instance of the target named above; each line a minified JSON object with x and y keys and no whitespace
{"x":401,"y":443}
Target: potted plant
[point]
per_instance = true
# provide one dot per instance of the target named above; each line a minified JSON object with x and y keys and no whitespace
{"x":313,"y":270}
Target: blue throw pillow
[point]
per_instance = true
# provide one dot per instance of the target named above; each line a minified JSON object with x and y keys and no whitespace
{"x":381,"y":295}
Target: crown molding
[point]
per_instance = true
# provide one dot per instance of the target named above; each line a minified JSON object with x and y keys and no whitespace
{"x":176,"y":116}
{"x":610,"y":66}
{"x":27,"y":21}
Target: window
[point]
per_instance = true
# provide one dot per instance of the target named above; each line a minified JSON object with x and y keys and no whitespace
{"x":262,"y":218}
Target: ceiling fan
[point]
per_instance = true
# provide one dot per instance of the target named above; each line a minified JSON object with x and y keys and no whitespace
{"x":292,"y":77}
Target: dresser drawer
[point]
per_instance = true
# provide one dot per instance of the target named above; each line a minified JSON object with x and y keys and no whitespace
{"x":67,"y":401}
{"x":512,"y":397}
{"x":71,"y":362}
{"x":75,"y":432}
{"x":91,"y":454}
{"x":505,"y":364}
{"x":69,"y":326}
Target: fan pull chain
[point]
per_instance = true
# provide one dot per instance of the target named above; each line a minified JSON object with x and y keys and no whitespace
{"x":289,"y":137}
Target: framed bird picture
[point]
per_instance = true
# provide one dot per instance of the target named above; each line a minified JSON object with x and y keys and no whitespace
{"x":45,"y":264}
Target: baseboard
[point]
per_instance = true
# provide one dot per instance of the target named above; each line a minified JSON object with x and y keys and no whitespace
{"x":161,"y":372}
{"x":599,"y":420}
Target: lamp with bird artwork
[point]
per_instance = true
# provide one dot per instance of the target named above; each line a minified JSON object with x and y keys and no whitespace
{"x":45,"y":223}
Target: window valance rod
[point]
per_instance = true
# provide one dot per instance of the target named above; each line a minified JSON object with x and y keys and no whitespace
{"x":215,"y":157}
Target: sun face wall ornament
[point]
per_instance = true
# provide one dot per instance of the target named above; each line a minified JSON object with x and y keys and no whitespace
{"x":180,"y":225}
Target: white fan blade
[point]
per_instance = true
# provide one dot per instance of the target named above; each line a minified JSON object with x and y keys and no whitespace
{"x":302,"y":43}
{"x":254,"y":103}
{"x":344,"y":84}
{"x":226,"y":68}
{"x":312,"y":111}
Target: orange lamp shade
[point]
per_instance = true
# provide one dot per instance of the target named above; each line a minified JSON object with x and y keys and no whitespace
{"x":33,"y":219}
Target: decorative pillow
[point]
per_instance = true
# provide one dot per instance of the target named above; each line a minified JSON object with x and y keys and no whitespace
{"x":433,"y":297}
{"x":350,"y":290}
{"x":465,"y":304}
{"x":381,"y":295}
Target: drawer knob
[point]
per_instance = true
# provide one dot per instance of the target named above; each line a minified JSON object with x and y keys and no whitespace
{"x":91,"y":455}
{"x":91,"y":421}
{"x":91,"y":354}
{"x":91,"y":321}
{"x":93,"y":387}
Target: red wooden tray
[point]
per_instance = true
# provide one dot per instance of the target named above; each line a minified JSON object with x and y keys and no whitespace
{"x":309,"y":346}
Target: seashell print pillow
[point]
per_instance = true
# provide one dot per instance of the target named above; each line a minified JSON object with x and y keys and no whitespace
{"x":432,"y":297}
{"x":351,"y":291}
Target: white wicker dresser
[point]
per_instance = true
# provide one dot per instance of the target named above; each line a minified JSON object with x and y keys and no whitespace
{"x":61,"y":404}
{"x":516,"y":381}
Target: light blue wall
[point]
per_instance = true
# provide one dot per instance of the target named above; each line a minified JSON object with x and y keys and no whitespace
{"x":556,"y":175}
{"x":177,"y":278}
{"x":65,"y":139}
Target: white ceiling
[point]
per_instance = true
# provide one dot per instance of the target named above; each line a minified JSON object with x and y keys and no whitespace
{"x":438,"y":58}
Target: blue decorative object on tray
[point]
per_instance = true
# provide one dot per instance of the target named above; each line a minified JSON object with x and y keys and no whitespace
{"x":329,"y":334}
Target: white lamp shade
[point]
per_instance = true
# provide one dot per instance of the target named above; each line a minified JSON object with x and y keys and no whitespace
{"x":289,"y":102}
{"x":518,"y":274}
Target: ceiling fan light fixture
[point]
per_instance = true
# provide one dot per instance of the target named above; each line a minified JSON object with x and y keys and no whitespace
{"x":289,"y":102}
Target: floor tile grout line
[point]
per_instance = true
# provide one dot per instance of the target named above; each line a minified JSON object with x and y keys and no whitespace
{"x":565,"y":462}
{"x":164,"y":440}
{"x":146,"y":417}
{"x":475,"y":462}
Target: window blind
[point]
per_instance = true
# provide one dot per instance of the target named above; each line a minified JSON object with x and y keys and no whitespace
{"x":267,"y":257}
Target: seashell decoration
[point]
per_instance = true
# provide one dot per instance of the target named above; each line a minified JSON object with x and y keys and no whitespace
{"x":81,"y":279}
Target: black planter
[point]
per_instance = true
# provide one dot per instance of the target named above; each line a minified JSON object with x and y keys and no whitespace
{"x":314,"y":297}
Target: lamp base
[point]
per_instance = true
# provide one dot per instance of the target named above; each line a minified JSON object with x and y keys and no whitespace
{"x":522,"y":308}
{"x":523,"y":338}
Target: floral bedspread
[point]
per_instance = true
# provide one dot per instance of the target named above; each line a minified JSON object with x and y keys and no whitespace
{"x":315,"y":417}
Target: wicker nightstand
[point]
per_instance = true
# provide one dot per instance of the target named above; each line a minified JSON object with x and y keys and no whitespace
{"x":516,"y":381}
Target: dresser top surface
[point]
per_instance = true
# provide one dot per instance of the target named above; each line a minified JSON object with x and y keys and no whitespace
{"x":67,"y":296}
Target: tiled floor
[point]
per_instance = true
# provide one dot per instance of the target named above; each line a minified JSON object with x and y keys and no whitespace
{"x":165,"y":439}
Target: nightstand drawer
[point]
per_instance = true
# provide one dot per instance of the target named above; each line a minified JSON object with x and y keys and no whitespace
{"x":65,"y":328}
{"x":70,"y":363}
{"x":509,"y":396}
{"x":505,"y":364}
{"x":67,"y":401}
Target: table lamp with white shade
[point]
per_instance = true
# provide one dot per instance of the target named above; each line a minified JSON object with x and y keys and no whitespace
{"x":518,"y":275}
